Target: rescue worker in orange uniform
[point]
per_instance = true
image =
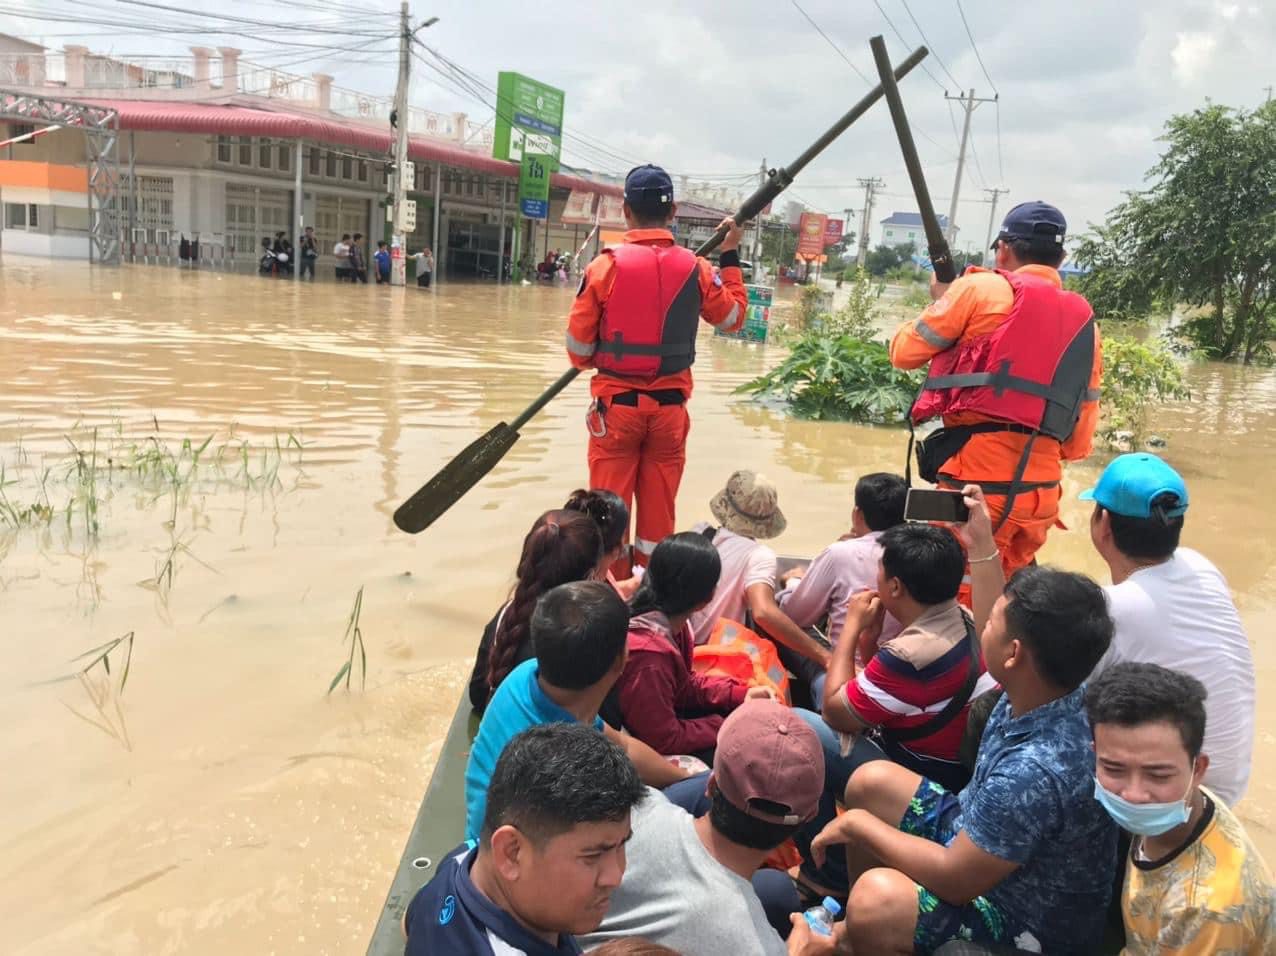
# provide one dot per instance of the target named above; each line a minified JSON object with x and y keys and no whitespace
{"x":1015,"y":365}
{"x":635,"y":320}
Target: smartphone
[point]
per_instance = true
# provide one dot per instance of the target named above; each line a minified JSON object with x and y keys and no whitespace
{"x":929,"y":504}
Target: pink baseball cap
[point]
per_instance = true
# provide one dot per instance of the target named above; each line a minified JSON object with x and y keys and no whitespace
{"x":766,"y":752}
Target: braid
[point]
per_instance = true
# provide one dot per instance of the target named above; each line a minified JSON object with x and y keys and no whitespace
{"x":562,"y":546}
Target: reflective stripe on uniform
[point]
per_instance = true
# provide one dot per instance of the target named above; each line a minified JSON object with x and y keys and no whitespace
{"x":931,"y":337}
{"x":1092,"y":394}
{"x":645,"y":546}
{"x":577,"y":347}
{"x":730,"y":317}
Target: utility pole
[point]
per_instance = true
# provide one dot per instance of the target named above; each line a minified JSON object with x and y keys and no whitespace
{"x":992,"y":215}
{"x":870,"y":189}
{"x":1269,"y":94}
{"x":399,"y":123}
{"x":757,"y":225}
{"x":968,"y":103}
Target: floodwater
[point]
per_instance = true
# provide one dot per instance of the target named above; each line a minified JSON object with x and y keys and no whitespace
{"x":219,"y":800}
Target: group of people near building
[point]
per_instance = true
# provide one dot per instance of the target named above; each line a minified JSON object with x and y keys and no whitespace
{"x":969,"y":752}
{"x":279,"y":259}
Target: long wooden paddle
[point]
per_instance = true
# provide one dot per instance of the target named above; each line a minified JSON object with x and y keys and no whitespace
{"x":941,"y":257}
{"x":465,"y":470}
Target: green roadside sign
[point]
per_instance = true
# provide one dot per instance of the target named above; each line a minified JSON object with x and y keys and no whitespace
{"x":529,"y":119}
{"x":533,"y":185}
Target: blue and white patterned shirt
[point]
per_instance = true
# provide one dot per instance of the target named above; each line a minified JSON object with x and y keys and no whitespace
{"x":1031,"y":801}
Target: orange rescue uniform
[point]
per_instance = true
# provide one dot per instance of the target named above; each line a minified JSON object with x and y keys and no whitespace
{"x":641,"y":450}
{"x":975,"y":305}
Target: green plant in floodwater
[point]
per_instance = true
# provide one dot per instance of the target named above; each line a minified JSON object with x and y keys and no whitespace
{"x":1136,"y":377}
{"x":354,"y":636}
{"x":85,"y":495}
{"x":18,"y":516}
{"x":102,"y":655}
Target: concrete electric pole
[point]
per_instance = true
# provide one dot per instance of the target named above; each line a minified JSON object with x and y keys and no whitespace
{"x":968,"y":103}
{"x":401,"y":220}
{"x":992,"y":216}
{"x":870,"y":188}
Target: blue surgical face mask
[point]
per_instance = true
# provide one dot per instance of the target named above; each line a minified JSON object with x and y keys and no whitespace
{"x":1144,"y":819}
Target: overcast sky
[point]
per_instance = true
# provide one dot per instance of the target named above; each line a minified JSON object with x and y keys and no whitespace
{"x":710,"y":88}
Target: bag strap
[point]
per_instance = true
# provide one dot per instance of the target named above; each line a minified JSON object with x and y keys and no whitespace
{"x":956,"y":703}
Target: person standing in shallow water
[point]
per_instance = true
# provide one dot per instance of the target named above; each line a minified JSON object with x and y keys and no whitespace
{"x":358,"y":264}
{"x":635,"y":320}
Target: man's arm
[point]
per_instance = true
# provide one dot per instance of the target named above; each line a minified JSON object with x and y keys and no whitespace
{"x":653,"y":769}
{"x":724,"y":301}
{"x":808,"y":600}
{"x":864,"y":614}
{"x":1081,"y":442}
{"x":956,"y":873}
{"x":938,"y":328}
{"x":767,"y":615}
{"x":987,"y":579}
{"x":587,"y":312}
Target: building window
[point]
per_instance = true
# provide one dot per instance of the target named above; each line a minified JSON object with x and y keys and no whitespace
{"x":347,"y":167}
{"x":330,"y":165}
{"x":313,"y":155}
{"x":469,"y":187}
{"x":21,"y":215}
{"x":285,"y":159}
{"x":447,"y":184}
{"x":245,"y":151}
{"x":21,"y":129}
{"x":363,"y":171}
{"x":912,"y":235}
{"x":223,"y":149}
{"x":263,"y":155}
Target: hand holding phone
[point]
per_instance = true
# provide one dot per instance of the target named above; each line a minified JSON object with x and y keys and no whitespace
{"x":976,"y":533}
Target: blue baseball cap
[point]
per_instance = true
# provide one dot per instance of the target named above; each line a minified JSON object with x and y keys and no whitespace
{"x":1038,"y":222}
{"x":649,"y":189}
{"x":1130,"y":484}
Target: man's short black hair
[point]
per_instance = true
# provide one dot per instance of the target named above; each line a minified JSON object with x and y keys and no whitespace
{"x":738,"y":827}
{"x":1156,"y":537}
{"x":927,"y":560}
{"x":1130,"y":694}
{"x":553,"y":777}
{"x":1063,"y":619}
{"x":880,"y":498}
{"x":1037,"y":253}
{"x":578,"y":631}
{"x":345,"y":236}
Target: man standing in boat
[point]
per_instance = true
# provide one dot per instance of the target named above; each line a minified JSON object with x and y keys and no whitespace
{"x":1015,"y":366}
{"x":635,"y":320}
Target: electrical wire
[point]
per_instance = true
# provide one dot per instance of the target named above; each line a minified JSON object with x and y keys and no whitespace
{"x":975,"y":47}
{"x":891,"y":23}
{"x":830,"y":42}
{"x":1001,"y":169}
{"x":907,"y":9}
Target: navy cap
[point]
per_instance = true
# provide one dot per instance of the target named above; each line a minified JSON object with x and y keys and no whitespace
{"x":648,"y":188}
{"x":1039,"y":222}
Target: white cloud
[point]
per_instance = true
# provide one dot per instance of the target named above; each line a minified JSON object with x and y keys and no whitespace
{"x":1192,"y":55}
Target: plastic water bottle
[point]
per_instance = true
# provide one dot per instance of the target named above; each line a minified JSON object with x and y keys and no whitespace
{"x":820,"y":918}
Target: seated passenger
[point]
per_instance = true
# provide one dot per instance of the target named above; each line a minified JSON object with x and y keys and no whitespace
{"x":1194,"y":882}
{"x":578,"y":633}
{"x":748,"y":509}
{"x":608,"y":510}
{"x":663,"y":701}
{"x":1024,"y":856}
{"x":910,"y":702}
{"x":562,"y":546}
{"x":1172,"y":607}
{"x":551,"y":852}
{"x":687,"y":881}
{"x":846,"y":566}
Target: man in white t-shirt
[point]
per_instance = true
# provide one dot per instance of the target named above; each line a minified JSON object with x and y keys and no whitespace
{"x":1172,"y":607}
{"x":748,"y":509}
{"x":341,"y":252}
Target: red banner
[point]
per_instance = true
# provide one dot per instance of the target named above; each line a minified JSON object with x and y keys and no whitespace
{"x":832,"y":232}
{"x":610,"y":212}
{"x":811,"y":234}
{"x":579,"y":207}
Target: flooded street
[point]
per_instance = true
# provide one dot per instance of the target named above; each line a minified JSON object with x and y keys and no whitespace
{"x":217,"y":801}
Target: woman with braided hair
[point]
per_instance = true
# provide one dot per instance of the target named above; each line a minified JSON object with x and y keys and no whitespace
{"x":562,"y":546}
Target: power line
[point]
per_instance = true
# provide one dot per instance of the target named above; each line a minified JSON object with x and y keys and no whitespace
{"x":1001,"y":169}
{"x":830,"y":42}
{"x":891,"y":23}
{"x":974,"y":47}
{"x":933,"y":51}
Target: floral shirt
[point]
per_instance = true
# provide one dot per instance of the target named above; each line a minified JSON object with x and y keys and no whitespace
{"x":1031,"y":801}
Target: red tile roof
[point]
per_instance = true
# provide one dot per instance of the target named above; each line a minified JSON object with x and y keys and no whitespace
{"x":228,"y":119}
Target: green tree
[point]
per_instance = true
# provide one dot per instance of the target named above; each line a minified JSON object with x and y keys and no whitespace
{"x":1202,"y":234}
{"x":885,"y":258}
{"x":1136,"y":376}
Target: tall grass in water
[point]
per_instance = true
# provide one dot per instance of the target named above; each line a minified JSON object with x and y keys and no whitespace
{"x":354,"y":636}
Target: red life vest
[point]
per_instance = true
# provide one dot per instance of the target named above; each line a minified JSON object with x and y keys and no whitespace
{"x":651,"y":318}
{"x":1032,"y":370}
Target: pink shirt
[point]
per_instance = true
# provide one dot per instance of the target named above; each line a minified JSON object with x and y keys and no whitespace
{"x":837,"y":572}
{"x":745,"y":562}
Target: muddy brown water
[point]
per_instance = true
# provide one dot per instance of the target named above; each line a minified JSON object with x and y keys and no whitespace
{"x":221,"y":802}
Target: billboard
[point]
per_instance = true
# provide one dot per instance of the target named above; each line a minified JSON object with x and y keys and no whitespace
{"x":529,"y":118}
{"x":533,"y":186}
{"x":832,"y":231}
{"x":811,"y":228}
{"x":611,"y":212}
{"x":579,"y":208}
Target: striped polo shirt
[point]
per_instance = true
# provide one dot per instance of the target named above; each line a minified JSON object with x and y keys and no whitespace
{"x":914,"y":675}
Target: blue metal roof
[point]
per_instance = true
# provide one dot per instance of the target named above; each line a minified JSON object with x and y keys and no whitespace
{"x":910,"y":219}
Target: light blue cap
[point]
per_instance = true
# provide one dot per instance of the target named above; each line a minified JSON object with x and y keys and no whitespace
{"x":1130,"y":484}
{"x":832,"y":905}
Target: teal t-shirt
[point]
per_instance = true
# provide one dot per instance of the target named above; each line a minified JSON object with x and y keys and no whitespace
{"x":518,"y":703}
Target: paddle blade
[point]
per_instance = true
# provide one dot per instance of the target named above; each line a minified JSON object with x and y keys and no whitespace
{"x":456,"y":478}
